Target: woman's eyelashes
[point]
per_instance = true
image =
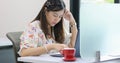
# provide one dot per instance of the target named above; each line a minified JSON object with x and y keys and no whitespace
{"x":56,"y":15}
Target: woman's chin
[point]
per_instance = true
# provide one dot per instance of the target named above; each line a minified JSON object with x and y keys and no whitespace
{"x":53,"y":25}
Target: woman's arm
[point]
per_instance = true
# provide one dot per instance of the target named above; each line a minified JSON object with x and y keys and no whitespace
{"x":41,"y":50}
{"x":74,"y":34}
{"x":34,"y":51}
{"x":68,"y":15}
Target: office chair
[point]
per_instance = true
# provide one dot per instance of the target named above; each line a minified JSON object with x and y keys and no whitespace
{"x":14,"y":38}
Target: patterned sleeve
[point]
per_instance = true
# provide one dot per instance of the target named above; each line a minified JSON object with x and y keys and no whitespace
{"x":32,"y":36}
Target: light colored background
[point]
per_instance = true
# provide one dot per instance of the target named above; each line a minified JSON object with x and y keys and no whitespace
{"x":16,"y":14}
{"x":99,"y":29}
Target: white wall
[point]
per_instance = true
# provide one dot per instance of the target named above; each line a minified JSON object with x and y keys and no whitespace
{"x":15,"y":14}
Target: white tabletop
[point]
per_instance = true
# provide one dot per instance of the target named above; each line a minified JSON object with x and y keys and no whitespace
{"x":5,"y":42}
{"x":47,"y":59}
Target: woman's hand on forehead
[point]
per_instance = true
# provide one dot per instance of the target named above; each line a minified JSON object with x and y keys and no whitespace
{"x":68,"y":15}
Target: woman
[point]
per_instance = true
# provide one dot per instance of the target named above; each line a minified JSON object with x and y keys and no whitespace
{"x":46,"y":33}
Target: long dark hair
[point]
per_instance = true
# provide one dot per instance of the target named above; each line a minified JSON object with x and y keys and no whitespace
{"x":52,"y":5}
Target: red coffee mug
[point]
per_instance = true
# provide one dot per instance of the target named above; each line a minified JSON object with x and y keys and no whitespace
{"x":68,"y":53}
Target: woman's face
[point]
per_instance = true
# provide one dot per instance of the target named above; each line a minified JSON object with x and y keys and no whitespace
{"x":53,"y":17}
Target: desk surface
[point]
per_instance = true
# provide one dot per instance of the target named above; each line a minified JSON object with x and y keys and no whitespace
{"x":5,"y":42}
{"x":47,"y":59}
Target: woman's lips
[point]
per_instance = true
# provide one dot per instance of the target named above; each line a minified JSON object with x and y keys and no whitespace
{"x":53,"y":23}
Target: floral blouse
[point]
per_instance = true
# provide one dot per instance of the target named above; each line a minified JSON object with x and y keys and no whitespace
{"x":33,"y":36}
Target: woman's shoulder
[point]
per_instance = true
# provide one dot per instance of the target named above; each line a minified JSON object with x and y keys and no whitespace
{"x":35,"y":22}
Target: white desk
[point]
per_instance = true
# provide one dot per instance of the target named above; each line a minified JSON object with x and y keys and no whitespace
{"x":47,"y":59}
{"x":5,"y":42}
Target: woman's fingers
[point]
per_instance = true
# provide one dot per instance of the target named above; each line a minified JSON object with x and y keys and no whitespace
{"x":60,"y":46}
